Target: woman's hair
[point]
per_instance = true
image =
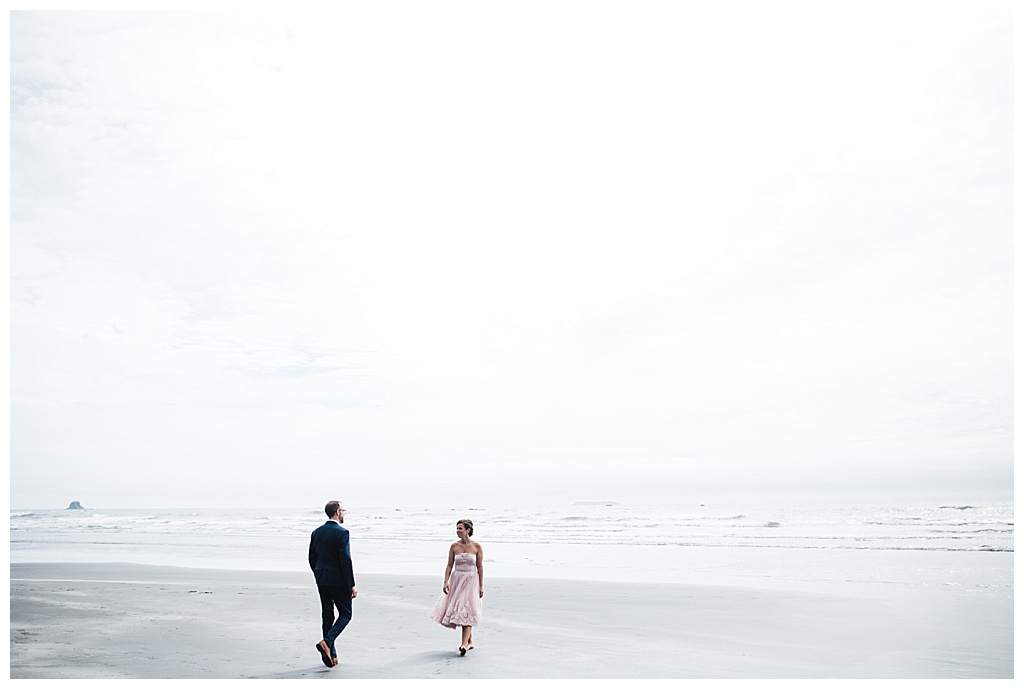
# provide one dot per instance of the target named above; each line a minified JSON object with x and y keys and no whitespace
{"x":468,"y":523}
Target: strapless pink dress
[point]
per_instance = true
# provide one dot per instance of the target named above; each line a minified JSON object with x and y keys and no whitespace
{"x":462,"y":605}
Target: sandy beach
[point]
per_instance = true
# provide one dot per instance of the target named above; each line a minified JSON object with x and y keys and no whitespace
{"x":135,"y":621}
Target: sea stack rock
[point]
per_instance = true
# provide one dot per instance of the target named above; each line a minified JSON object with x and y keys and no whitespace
{"x":75,"y":505}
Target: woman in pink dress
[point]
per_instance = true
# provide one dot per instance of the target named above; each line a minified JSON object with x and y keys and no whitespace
{"x":460,"y":604}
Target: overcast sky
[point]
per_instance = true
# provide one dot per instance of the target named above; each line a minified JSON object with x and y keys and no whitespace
{"x":512,"y":251}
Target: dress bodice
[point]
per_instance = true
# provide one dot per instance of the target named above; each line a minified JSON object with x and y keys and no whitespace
{"x":465,"y":561}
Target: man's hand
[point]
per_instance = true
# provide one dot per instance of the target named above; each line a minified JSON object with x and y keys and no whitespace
{"x":354,"y":592}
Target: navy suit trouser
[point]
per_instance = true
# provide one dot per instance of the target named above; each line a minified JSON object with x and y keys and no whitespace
{"x":332,"y":597}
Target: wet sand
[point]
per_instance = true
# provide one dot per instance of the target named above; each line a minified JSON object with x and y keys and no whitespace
{"x":137,"y":621}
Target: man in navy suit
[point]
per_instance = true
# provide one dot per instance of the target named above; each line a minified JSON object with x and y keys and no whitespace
{"x":331,"y":562}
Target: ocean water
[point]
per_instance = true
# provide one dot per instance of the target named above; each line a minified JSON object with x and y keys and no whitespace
{"x":967,"y":545}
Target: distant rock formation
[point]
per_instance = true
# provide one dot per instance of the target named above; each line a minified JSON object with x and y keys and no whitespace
{"x":75,"y":505}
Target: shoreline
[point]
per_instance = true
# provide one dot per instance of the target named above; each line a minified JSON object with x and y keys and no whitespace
{"x":875,"y":571}
{"x":72,"y":620}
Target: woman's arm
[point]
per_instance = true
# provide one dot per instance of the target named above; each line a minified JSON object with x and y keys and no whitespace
{"x":480,"y":567}
{"x":448,"y":569}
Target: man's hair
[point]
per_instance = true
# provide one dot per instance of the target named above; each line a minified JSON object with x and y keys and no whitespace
{"x":332,"y":508}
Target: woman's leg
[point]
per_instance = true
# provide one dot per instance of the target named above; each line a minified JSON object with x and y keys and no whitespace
{"x":467,"y":633}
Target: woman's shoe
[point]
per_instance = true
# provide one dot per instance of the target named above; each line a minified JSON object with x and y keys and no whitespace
{"x":462,"y":651}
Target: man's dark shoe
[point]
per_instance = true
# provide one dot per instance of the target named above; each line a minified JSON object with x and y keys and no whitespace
{"x":325,"y":652}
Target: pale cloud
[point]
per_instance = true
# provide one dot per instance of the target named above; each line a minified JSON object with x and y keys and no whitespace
{"x":658,"y":243}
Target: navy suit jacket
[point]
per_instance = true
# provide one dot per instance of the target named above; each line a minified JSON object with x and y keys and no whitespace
{"x":329,"y":556}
